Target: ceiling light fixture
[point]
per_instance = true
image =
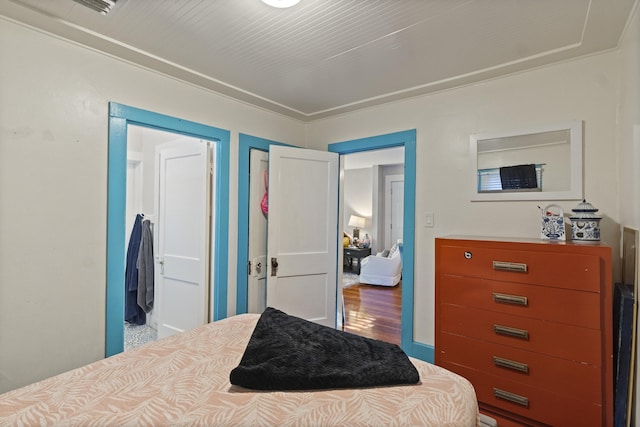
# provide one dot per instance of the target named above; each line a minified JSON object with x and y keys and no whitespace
{"x":102,"y":6}
{"x":281,"y":3}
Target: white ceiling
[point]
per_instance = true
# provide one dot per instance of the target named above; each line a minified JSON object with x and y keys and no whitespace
{"x":326,"y":57}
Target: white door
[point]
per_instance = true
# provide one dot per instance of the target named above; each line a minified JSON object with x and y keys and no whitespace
{"x":182,"y":284}
{"x":257,"y":269}
{"x":303,"y":233}
{"x":394,"y":209}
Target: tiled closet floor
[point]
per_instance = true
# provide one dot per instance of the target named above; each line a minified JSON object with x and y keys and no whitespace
{"x":136,"y":335}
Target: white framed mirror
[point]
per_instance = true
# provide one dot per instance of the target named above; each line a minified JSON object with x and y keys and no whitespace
{"x":537,"y":163}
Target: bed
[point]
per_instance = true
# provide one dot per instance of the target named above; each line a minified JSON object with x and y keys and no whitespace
{"x":185,"y":380}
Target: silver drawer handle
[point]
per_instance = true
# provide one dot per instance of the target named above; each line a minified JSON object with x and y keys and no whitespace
{"x":510,"y":299}
{"x":517,"y":267}
{"x":511,"y":332}
{"x":510,"y":364}
{"x":511,"y":397}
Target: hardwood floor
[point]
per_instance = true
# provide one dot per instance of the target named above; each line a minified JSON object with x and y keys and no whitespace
{"x":373,"y":311}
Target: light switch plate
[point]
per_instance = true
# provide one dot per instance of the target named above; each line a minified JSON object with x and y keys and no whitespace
{"x":428,"y":219}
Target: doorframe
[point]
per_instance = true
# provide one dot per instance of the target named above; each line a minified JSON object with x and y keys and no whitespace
{"x":388,"y":207}
{"x":406,"y":139}
{"x":246,"y":143}
{"x":120,"y":117}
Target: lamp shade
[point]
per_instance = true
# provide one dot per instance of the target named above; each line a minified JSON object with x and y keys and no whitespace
{"x":356,"y":221}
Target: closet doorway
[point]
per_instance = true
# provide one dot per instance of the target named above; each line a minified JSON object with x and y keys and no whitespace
{"x":257,"y":248}
{"x":301,"y":225}
{"x":169,"y":192}
{"x":122,"y":117}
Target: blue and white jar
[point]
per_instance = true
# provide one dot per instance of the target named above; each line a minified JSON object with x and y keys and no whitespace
{"x":585,"y":224}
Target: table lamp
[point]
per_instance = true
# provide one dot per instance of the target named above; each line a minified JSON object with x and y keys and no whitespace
{"x":357,"y":223}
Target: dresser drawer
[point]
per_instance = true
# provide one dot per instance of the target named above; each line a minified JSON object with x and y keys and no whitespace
{"x":541,"y":405}
{"x":582,"y":345}
{"x":559,"y":269}
{"x":538,"y":302}
{"x":553,"y":374}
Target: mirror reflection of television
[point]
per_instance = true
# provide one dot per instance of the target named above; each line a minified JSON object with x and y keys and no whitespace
{"x":551,"y":153}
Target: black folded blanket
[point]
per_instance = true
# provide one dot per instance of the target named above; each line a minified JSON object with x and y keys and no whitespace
{"x":289,"y":353}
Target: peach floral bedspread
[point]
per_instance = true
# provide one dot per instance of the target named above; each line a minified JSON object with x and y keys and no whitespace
{"x":184,"y":381}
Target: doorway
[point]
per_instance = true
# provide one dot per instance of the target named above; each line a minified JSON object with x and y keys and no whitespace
{"x":373,"y":190}
{"x":304,"y":225}
{"x":406,"y":139}
{"x":257,"y":248}
{"x":249,"y":250}
{"x":169,"y":192}
{"x":393,"y":208}
{"x":120,"y":118}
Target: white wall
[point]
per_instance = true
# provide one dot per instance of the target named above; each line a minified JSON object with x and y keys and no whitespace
{"x":53,"y":171}
{"x":150,"y":139}
{"x":358,"y":193}
{"x":584,"y":89}
{"x":629,"y":139}
{"x":53,"y":184}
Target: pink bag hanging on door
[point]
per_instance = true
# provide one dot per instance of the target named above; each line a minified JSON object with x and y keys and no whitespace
{"x":264,"y":203}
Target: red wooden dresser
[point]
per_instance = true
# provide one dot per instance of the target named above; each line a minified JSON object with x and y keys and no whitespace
{"x":529,"y":323}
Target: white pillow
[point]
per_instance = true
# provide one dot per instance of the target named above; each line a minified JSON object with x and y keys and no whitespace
{"x":392,"y":251}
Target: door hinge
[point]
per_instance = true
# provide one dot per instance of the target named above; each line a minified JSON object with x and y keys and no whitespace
{"x":274,"y":266}
{"x":249,"y":268}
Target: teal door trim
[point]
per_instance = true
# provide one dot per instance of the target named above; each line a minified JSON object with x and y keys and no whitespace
{"x":120,"y":117}
{"x":406,"y":139}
